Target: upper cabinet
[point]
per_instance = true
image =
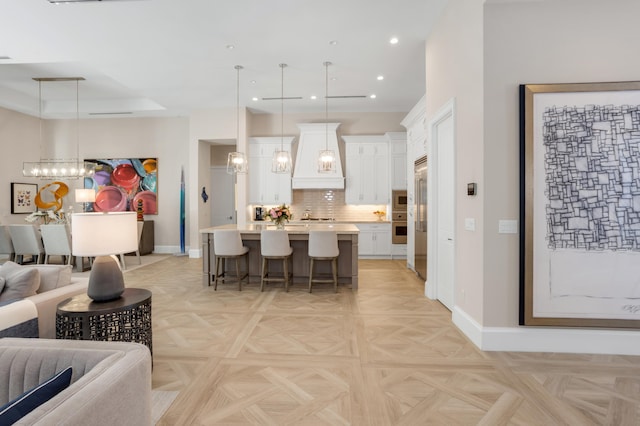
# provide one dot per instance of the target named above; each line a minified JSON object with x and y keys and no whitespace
{"x":266,"y":187}
{"x":367,"y":164}
{"x":398,"y":159}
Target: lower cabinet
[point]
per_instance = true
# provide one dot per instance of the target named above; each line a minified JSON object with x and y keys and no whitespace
{"x":374,"y":240}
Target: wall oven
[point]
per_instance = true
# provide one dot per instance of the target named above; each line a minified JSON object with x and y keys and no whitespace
{"x":399,"y":200}
{"x":398,"y":228}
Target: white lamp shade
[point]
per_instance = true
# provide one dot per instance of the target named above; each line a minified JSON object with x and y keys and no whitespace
{"x":103,"y":234}
{"x":85,"y":195}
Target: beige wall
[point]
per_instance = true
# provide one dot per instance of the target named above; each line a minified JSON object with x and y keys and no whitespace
{"x":454,"y":71}
{"x":163,"y":138}
{"x":19,"y":141}
{"x":351,"y":123}
{"x":538,"y":42}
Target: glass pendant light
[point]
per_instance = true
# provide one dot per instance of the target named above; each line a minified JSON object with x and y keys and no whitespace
{"x":59,"y":168}
{"x":281,"y":162}
{"x":237,"y":161}
{"x":326,"y":158}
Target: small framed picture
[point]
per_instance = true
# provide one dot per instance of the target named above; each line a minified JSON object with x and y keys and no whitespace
{"x":23,"y":198}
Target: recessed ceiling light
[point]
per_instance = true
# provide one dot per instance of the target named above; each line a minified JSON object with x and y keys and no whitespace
{"x":252,"y":82}
{"x":394,"y":40}
{"x":333,"y":42}
{"x":373,"y":96}
{"x":254,"y":99}
{"x":314,"y":97}
{"x":380,"y":77}
{"x":230,"y":46}
{"x":333,"y":79}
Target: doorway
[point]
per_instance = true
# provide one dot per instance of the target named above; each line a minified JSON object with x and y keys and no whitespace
{"x":441,"y":250}
{"x":222,"y":197}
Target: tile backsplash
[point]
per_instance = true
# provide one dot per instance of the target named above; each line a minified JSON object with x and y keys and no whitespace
{"x":330,"y":203}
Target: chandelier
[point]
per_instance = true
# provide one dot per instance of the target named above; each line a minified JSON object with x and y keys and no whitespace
{"x":58,"y":168}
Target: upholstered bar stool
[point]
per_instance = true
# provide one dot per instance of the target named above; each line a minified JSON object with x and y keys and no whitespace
{"x":323,"y":245}
{"x":274,"y":245}
{"x":227,"y":244}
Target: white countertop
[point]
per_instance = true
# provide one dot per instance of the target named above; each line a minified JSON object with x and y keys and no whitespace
{"x":294,"y":228}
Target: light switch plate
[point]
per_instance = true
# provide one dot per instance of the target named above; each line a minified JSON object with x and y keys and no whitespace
{"x":507,"y":226}
{"x":470,"y":224}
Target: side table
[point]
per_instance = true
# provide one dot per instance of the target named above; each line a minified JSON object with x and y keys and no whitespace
{"x":127,"y":319}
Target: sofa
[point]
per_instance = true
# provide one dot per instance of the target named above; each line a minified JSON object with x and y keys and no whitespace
{"x":45,"y":286}
{"x":110,"y":381}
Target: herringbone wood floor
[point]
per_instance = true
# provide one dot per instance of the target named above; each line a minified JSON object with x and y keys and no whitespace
{"x":384,"y":355}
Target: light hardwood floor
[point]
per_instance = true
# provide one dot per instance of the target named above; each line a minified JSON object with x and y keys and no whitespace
{"x":384,"y":355}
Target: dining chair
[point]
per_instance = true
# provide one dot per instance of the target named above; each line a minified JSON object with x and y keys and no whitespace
{"x":57,"y":242}
{"x":274,"y":245}
{"x":26,"y":241}
{"x":6,"y":246}
{"x":323,"y":245}
{"x":227,"y":244}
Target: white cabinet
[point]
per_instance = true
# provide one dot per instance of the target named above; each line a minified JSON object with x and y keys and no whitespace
{"x":398,"y":159}
{"x":367,"y":164}
{"x":266,"y":187}
{"x":374,"y":240}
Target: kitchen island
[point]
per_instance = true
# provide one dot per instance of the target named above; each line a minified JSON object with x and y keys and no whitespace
{"x":299,"y":239}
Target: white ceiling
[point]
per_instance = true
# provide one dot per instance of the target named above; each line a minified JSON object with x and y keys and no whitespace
{"x":170,"y":57}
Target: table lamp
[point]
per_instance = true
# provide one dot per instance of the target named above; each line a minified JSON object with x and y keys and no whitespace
{"x":103,"y":235}
{"x":85,"y":196}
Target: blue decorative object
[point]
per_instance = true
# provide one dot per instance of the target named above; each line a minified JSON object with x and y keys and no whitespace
{"x":182,"y":217}
{"x":204,"y":195}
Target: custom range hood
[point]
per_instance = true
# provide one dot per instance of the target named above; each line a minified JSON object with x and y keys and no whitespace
{"x":316,"y":137}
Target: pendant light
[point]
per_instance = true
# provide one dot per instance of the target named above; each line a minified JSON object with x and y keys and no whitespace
{"x":281,"y":162}
{"x":326,"y":158}
{"x":237,"y":161}
{"x":59,"y":168}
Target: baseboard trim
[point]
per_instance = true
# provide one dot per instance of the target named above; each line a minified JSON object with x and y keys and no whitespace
{"x":176,"y":249}
{"x":537,"y":339}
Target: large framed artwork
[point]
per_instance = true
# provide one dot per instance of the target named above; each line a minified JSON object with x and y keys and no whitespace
{"x":580,"y":205}
{"x":122,"y":182}
{"x":23,"y":197}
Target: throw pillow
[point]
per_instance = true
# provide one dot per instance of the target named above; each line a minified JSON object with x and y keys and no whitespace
{"x":32,"y":399}
{"x":53,"y":276}
{"x":20,"y":281}
{"x":2,"y":280}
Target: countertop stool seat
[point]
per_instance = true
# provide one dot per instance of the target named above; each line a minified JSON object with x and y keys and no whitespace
{"x":323,"y":245}
{"x":227,"y":244}
{"x":274,"y":245}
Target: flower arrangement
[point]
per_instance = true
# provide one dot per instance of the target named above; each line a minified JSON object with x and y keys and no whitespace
{"x":48,"y":216}
{"x":279,"y":215}
{"x":380,"y":214}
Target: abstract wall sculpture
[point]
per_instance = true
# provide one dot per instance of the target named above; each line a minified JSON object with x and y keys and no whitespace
{"x":121,"y":183}
{"x":580,"y":205}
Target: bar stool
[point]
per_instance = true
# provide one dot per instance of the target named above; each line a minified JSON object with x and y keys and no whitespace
{"x":323,"y":245}
{"x":227,"y":244}
{"x":274,"y":245}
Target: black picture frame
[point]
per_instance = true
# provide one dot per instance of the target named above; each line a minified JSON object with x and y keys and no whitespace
{"x":23,"y":197}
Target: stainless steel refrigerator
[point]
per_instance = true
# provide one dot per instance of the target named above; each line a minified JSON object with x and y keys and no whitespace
{"x":421,"y":217}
